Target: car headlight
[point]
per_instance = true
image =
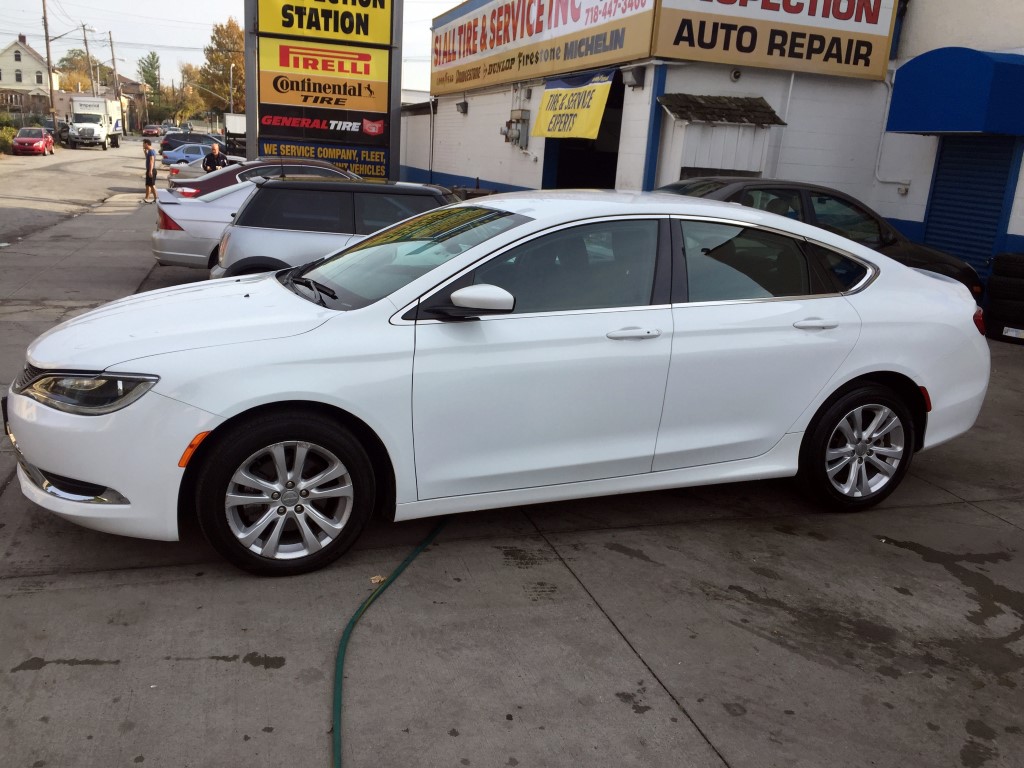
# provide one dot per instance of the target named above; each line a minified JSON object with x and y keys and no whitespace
{"x":86,"y":394}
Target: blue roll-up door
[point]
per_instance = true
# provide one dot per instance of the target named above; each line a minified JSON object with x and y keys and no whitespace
{"x":966,"y":212}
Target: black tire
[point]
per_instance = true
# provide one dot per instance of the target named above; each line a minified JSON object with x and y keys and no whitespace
{"x":865,"y":485}
{"x":320,"y":445}
{"x":1002,"y":287}
{"x":1008,"y":265}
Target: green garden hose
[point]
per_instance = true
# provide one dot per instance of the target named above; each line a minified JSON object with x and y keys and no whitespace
{"x":339,"y":662}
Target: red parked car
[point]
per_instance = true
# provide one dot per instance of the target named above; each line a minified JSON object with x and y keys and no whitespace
{"x":151,"y":130}
{"x":32,"y":141}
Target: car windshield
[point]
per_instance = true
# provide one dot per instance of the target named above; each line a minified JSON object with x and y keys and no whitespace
{"x":83,"y":117}
{"x":394,"y":257}
{"x":217,"y":194}
{"x":695,"y":188}
{"x":30,"y":133}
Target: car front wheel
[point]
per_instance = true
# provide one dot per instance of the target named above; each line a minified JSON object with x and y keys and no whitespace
{"x":284,"y":493}
{"x":858,"y":449}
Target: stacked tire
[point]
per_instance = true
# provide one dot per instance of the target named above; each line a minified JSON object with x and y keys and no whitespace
{"x":1004,"y":317}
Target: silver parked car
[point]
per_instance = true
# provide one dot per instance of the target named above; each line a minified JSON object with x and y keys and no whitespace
{"x":295,"y":220}
{"x":188,"y":230}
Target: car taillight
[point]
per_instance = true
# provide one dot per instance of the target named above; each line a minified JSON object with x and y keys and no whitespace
{"x":175,"y":171}
{"x":188,"y":191}
{"x":163,"y":221}
{"x":979,"y":320}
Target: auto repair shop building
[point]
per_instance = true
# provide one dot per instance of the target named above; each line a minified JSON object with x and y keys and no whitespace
{"x":913,"y":107}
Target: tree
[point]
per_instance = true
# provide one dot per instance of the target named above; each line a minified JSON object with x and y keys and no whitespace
{"x":149,"y":71}
{"x":190,"y":99}
{"x":227,"y":47}
{"x":75,"y":69}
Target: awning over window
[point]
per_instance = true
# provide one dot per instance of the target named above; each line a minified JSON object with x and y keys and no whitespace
{"x":734,"y":110}
{"x":572,"y":107}
{"x":959,"y":90}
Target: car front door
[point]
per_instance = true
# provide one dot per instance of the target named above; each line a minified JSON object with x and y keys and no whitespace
{"x":759,"y":330}
{"x":569,"y":386}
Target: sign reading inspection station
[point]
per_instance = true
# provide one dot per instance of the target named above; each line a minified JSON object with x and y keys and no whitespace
{"x":848,"y":38}
{"x":333,"y":21}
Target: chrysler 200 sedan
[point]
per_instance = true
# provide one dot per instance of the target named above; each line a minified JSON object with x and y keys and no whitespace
{"x":529,"y":348}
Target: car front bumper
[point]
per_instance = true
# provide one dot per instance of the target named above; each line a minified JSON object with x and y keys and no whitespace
{"x":116,"y":473}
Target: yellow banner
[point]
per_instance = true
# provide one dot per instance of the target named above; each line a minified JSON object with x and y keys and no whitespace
{"x":573,"y":112}
{"x":764,"y":43}
{"x":344,"y":21}
{"x":302,"y":91}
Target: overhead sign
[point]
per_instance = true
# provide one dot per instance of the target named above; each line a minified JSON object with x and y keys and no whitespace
{"x":847,"y":38}
{"x":480,"y":44}
{"x":337,"y":21}
{"x":325,"y":85}
{"x":573,"y":108}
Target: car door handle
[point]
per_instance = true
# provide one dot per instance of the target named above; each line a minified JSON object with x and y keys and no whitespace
{"x":815,"y":324}
{"x":634,"y":333}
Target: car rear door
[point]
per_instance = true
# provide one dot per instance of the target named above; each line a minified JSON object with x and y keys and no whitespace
{"x":758,"y":331}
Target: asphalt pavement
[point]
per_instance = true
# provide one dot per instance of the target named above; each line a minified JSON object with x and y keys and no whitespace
{"x":731,"y":625}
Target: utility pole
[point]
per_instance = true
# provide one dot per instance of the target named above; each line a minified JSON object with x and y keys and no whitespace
{"x":88,"y":59}
{"x":117,"y":83}
{"x":49,"y":72}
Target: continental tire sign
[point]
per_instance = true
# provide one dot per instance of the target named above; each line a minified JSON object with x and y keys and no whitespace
{"x":848,"y":38}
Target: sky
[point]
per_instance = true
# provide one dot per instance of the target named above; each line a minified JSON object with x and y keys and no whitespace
{"x":139,"y":27}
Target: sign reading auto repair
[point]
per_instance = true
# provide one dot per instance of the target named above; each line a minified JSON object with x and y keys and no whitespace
{"x":480,"y":44}
{"x":326,"y":92}
{"x":848,"y":38}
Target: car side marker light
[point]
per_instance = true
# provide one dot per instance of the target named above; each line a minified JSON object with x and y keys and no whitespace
{"x":925,"y":394}
{"x":183,"y":462}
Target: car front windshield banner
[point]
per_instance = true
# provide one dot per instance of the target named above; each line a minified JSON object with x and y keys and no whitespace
{"x":391,"y":259}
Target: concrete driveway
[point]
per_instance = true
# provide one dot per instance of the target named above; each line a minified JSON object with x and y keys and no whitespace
{"x":721,"y":626}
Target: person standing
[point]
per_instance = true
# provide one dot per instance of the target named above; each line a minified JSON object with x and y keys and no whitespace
{"x":214,"y":159}
{"x":147,"y":147}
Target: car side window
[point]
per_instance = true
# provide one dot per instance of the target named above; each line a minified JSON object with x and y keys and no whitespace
{"x":844,"y":272}
{"x":267,"y":172}
{"x":305,"y":210}
{"x":725,"y":262}
{"x":784,"y":202}
{"x":375,"y":211}
{"x":846,"y":219}
{"x":594,"y":266}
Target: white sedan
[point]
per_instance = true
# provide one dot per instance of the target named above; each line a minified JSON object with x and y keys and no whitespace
{"x":511,"y":350}
{"x":188,"y":230}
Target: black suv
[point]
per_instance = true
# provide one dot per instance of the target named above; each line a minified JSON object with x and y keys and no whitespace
{"x":290,"y":221}
{"x":831,"y":210}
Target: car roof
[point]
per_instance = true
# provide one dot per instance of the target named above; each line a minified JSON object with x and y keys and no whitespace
{"x":552,"y":207}
{"x":323,"y":183}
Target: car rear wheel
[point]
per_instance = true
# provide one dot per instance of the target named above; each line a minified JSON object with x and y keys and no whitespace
{"x":858,"y":448}
{"x":284,"y":493}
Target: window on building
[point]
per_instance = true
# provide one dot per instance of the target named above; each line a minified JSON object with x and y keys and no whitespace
{"x":17,"y":55}
{"x":39,"y":78}
{"x":17,"y":75}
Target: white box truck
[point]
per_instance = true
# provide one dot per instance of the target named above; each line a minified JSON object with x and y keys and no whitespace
{"x":94,"y":121}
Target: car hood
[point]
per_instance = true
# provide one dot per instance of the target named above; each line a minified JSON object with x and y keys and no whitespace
{"x":208,"y":314}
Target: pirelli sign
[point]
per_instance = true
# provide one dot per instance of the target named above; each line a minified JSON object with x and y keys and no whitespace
{"x":848,"y":38}
{"x":325,"y":82}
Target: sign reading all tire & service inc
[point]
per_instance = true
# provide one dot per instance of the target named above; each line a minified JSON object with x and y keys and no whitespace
{"x":325,"y":74}
{"x":846,"y":38}
{"x":479,"y":44}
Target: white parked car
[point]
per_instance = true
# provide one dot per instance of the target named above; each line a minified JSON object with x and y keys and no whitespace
{"x":188,"y":230}
{"x":516,"y":349}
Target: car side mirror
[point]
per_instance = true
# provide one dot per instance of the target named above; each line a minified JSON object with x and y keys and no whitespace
{"x":476,"y":301}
